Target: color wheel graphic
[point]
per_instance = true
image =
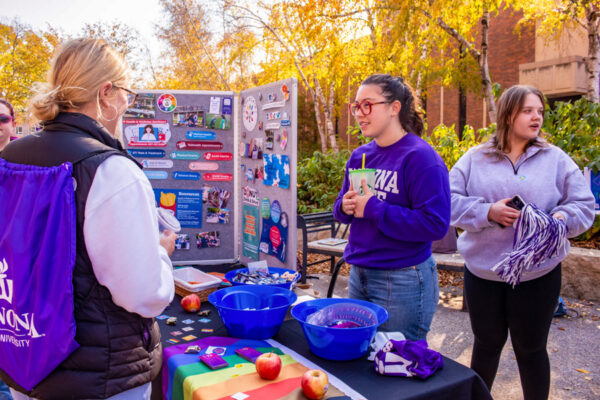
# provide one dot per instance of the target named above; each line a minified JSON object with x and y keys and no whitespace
{"x":167,"y":102}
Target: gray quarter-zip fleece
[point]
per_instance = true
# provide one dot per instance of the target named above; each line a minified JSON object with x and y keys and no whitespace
{"x":543,"y":175}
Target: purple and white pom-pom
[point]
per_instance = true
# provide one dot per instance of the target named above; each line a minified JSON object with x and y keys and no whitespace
{"x":538,"y":237}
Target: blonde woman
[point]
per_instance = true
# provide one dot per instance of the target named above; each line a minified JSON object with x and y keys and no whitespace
{"x":119,"y":286}
{"x":516,"y":161}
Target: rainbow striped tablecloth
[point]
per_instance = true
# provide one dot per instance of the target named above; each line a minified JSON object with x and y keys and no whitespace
{"x":186,"y":378}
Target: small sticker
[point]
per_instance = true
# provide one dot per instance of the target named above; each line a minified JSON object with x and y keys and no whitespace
{"x":213,"y":156}
{"x":271,"y":97}
{"x":273,"y":115}
{"x":269,"y":142}
{"x":204,"y":320}
{"x":522,"y":177}
{"x":284,"y":139}
{"x":273,"y":125}
{"x":200,"y":135}
{"x":166,"y":102}
{"x":184,"y":144}
{"x":188,"y":321}
{"x":186,"y":176}
{"x":156,"y":174}
{"x":260,"y":125}
{"x":187,"y":328}
{"x":227,"y":104}
{"x":265,"y":208}
{"x":174,"y":341}
{"x":275,"y":211}
{"x":286,"y":92}
{"x":206,"y":330}
{"x":203,"y":166}
{"x":189,"y":337}
{"x":285,"y":119}
{"x":249,"y":175}
{"x":250,"y":196}
{"x":176,"y":333}
{"x":146,"y":153}
{"x":273,"y":105}
{"x":184,"y":155}
{"x":239,"y":396}
{"x":162,"y":317}
{"x":284,"y":219}
{"x":157,"y":163}
{"x":217,"y":177}
{"x":250,"y":113}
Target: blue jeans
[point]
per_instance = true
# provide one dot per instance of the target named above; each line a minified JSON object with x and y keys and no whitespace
{"x":4,"y":392}
{"x":410,"y":295}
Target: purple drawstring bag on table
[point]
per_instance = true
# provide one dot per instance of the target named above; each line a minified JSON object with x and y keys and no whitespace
{"x":407,"y":358}
{"x":37,"y":257}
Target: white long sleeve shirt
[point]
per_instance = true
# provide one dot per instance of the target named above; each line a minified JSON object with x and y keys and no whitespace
{"x":122,"y":239}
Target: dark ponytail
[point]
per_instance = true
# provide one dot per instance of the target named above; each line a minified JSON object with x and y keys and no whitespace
{"x":396,"y":89}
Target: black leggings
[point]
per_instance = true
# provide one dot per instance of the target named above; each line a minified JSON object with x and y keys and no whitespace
{"x":495,"y":308}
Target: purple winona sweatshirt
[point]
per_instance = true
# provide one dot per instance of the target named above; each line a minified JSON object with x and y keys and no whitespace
{"x":410,"y":210}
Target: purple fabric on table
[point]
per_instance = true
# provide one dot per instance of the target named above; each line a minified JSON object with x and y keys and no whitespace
{"x":37,"y":257}
{"x":407,"y":358}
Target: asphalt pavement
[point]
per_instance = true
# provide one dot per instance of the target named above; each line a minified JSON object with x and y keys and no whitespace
{"x":573,"y":345}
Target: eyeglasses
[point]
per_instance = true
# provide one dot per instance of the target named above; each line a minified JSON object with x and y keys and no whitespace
{"x":131,"y":95}
{"x":364,"y":106}
{"x":5,"y":119}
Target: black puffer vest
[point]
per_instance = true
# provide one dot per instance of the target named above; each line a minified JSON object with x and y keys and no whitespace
{"x":119,"y":350}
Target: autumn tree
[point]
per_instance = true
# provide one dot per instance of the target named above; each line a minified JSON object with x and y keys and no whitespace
{"x":299,"y":40}
{"x":125,"y":40}
{"x":25,"y":57}
{"x":556,"y":16}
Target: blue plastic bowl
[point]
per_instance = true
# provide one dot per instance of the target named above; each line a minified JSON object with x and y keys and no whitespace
{"x":339,"y":344}
{"x":244,"y":312}
{"x":229,"y":276}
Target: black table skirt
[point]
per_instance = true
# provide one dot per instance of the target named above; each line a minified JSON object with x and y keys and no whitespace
{"x":453,"y":382}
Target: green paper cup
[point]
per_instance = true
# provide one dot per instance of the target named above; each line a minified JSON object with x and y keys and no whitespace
{"x":357,"y":175}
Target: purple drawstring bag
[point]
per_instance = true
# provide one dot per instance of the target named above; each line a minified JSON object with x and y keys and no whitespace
{"x":37,"y":257}
{"x":407,"y":358}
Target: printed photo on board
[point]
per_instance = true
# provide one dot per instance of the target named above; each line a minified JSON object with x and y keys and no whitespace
{"x":142,"y":108}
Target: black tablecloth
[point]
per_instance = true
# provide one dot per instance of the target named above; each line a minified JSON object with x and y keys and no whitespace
{"x":453,"y":382}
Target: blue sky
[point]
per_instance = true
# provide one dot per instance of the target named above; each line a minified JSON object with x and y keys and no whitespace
{"x":70,"y":15}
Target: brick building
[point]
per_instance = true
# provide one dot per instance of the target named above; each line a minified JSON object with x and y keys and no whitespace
{"x":556,"y":67}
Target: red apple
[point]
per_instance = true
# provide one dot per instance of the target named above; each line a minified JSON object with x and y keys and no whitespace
{"x":191,"y":303}
{"x":268,"y":366}
{"x":314,"y":384}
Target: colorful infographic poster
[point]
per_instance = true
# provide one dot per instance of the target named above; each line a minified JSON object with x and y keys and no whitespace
{"x":146,"y":133}
{"x":186,"y":204}
{"x":250,"y":238}
{"x":273,"y":239}
{"x":277,"y":170}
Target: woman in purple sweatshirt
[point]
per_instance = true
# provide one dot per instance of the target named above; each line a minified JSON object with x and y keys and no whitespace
{"x":393,"y":225}
{"x":516,"y":161}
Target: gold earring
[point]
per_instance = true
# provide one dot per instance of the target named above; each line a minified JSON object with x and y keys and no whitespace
{"x":116,"y":113}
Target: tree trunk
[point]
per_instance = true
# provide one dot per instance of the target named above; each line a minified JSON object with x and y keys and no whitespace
{"x":329,"y":112}
{"x":486,"y":81}
{"x":319,"y":99}
{"x":591,"y":62}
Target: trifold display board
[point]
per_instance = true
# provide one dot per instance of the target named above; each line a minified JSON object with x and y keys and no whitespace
{"x":225,"y":165}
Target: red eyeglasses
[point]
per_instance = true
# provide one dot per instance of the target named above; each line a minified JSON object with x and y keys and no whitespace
{"x":364,"y":106}
{"x":5,"y":119}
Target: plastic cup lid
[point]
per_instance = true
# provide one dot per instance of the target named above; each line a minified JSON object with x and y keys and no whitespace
{"x":167,"y":220}
{"x":360,"y":170}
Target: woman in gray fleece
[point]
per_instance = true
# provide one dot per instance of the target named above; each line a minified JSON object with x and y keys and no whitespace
{"x":516,"y":161}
